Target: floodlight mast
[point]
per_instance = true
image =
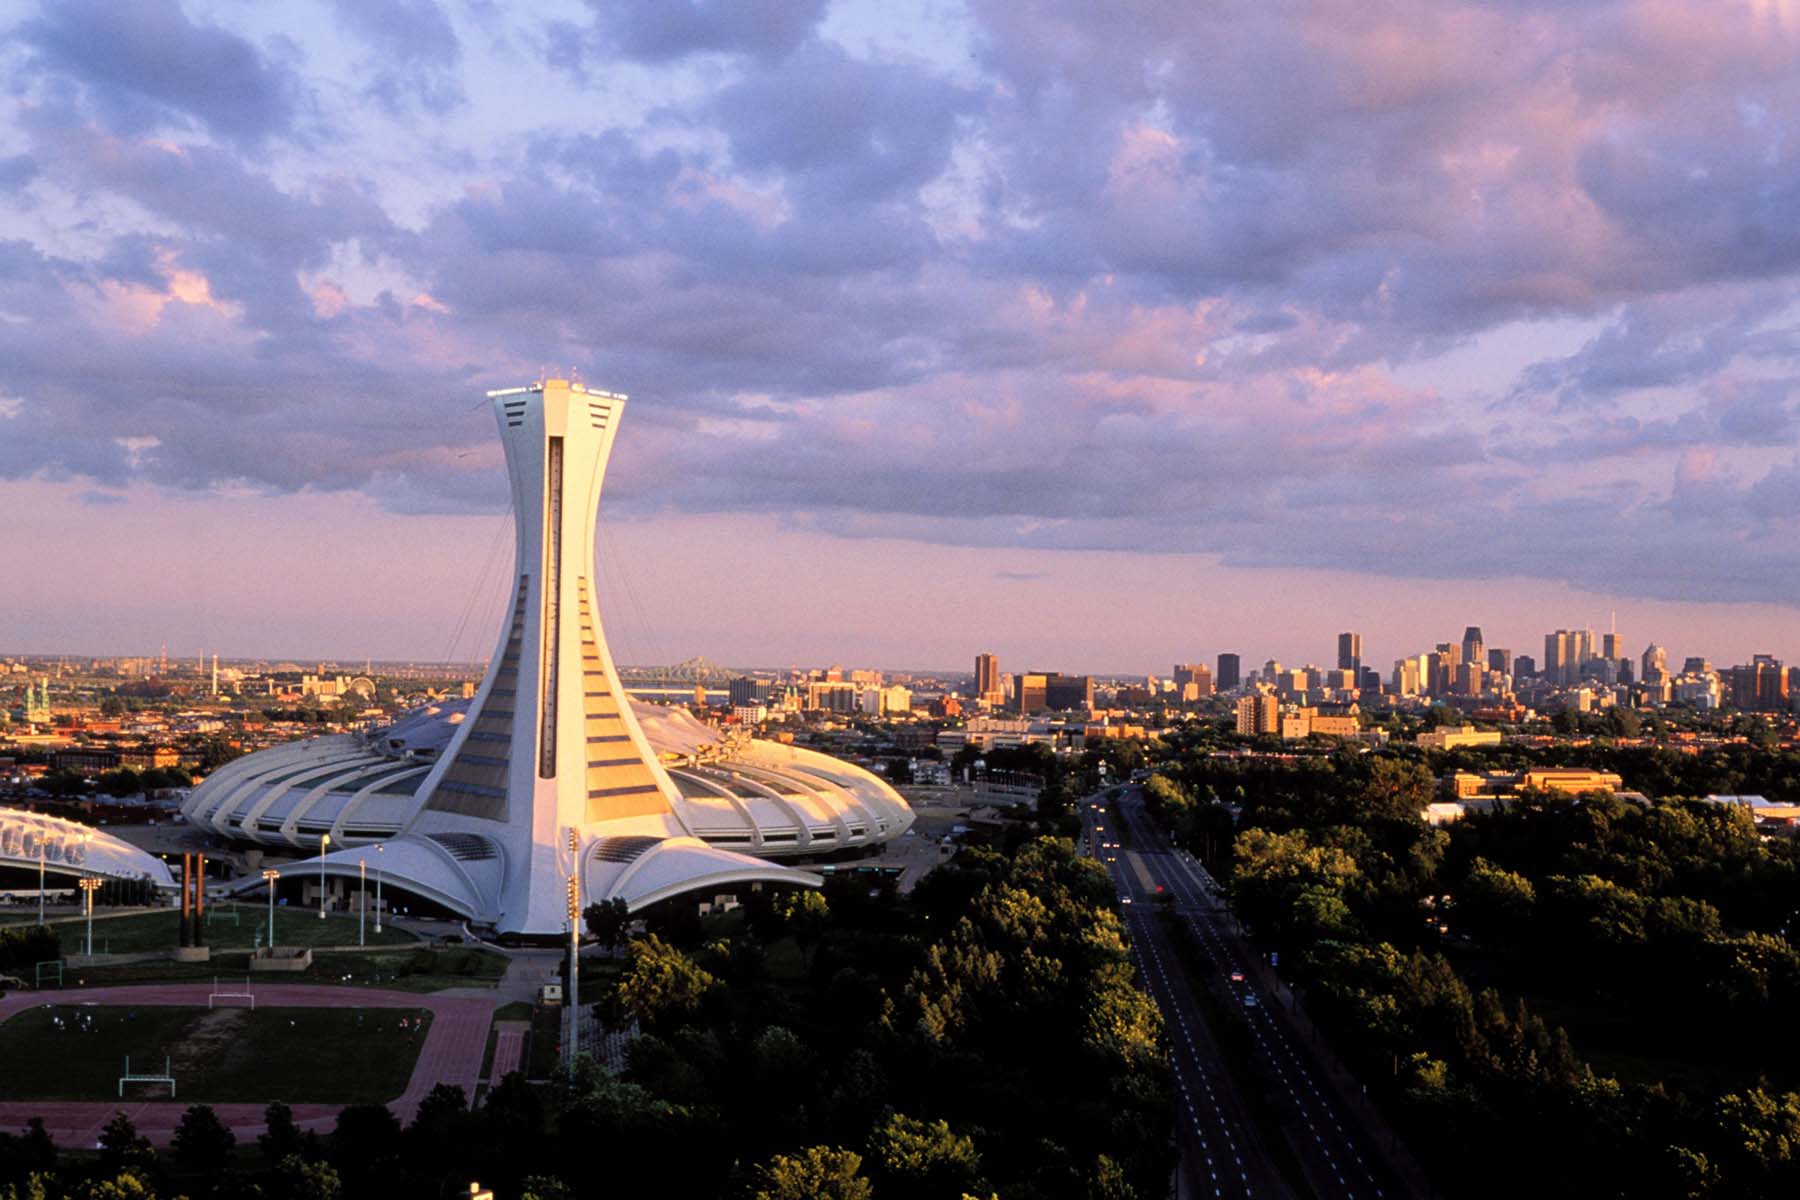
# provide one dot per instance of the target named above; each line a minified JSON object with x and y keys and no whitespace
{"x":89,"y":884}
{"x":574,"y":946}
{"x":270,"y":875}
{"x":324,"y":841}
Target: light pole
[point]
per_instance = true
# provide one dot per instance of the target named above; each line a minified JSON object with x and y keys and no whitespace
{"x":574,"y":946}
{"x":270,"y":875}
{"x":324,"y":841}
{"x":378,"y":849}
{"x":362,"y":899}
{"x":90,"y":884}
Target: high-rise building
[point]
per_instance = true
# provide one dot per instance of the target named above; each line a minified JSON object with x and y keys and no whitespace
{"x":1406,"y":677}
{"x":1696,"y":666}
{"x":1525,"y":667}
{"x":1442,"y":677}
{"x":1065,"y":692}
{"x":1257,"y":714}
{"x":1193,"y":681}
{"x":1471,"y":646}
{"x":1228,"y":675}
{"x":1656,"y":664}
{"x":1762,"y":686}
{"x":1350,"y":652}
{"x":1612,"y":647}
{"x":987,"y":680}
{"x":1500,"y":661}
{"x":1030,"y":690}
{"x":1566,"y":653}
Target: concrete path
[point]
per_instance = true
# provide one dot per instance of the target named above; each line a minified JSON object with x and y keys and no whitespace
{"x":452,"y":1053}
{"x":509,"y":1049}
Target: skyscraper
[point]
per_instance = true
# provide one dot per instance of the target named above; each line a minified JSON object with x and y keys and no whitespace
{"x":1350,"y":652}
{"x":1229,"y":674}
{"x":1193,"y":681}
{"x":1500,"y":660}
{"x":1566,"y":652}
{"x":1259,"y":713}
{"x":1471,"y":646}
{"x":987,"y":680}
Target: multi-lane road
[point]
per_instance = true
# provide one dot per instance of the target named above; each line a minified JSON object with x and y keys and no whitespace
{"x":1307,"y":1124}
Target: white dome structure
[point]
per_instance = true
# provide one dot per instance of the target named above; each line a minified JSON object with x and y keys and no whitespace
{"x":488,"y":806}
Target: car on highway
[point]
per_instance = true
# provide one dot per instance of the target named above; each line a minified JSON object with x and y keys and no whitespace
{"x":1124,"y":899}
{"x":1237,"y":977}
{"x":1249,"y":1001}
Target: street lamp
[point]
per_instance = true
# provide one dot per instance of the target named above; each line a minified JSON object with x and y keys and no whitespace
{"x":574,"y":946}
{"x":378,"y":849}
{"x":270,"y":875}
{"x":324,"y":841}
{"x":362,"y":899}
{"x":90,"y":884}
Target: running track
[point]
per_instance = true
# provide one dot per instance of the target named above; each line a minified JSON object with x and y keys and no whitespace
{"x":452,"y":1054}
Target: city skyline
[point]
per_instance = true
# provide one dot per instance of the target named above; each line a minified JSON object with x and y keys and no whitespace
{"x":1531,"y":645}
{"x":1373,"y":342}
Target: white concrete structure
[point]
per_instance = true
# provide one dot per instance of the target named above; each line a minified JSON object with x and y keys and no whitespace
{"x":474,"y":802}
{"x":70,"y":848}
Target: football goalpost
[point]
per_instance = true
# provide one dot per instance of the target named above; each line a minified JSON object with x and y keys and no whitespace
{"x":220,"y":994}
{"x":131,"y":1076}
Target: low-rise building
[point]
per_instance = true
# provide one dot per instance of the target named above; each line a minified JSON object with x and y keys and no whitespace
{"x":1465,"y":735}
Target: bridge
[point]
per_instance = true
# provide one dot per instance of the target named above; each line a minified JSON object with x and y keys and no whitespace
{"x":71,"y":848}
{"x":687,"y":673}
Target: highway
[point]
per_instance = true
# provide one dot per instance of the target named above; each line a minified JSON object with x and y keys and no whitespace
{"x":1221,"y":1155}
{"x":1333,"y":1151}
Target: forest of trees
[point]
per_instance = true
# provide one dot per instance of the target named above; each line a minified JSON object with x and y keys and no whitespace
{"x":1572,"y":995}
{"x":983,"y":1036}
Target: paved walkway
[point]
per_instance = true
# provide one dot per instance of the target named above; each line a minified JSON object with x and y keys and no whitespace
{"x":509,"y":1049}
{"x":452,"y":1054}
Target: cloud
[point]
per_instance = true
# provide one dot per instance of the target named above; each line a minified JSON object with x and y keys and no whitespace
{"x":660,"y":31}
{"x":1044,"y":278}
{"x":146,"y":64}
{"x":414,"y":55}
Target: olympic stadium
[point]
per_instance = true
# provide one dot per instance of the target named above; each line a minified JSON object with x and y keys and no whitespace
{"x":489,"y":807}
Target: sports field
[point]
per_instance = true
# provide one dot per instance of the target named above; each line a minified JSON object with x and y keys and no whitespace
{"x":225,"y":1054}
{"x":228,"y":927}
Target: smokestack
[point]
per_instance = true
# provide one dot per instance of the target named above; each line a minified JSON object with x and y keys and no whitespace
{"x":215,"y":679}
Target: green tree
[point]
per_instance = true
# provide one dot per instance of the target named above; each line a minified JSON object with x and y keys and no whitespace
{"x":1494,"y":904}
{"x":806,"y":914}
{"x":606,"y":921}
{"x":920,"y":1160}
{"x":1394,"y":790}
{"x":298,"y":1178}
{"x":815,"y":1173}
{"x":121,"y":783}
{"x":123,"y":1149}
{"x":659,"y":984}
{"x":202,"y":1144}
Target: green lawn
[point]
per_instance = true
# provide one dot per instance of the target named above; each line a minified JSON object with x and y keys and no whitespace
{"x":299,"y":1055}
{"x":160,"y":930}
{"x":418,"y":969}
{"x":415,"y":969}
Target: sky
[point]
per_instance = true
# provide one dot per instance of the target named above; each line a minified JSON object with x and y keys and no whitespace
{"x":1098,"y":336}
